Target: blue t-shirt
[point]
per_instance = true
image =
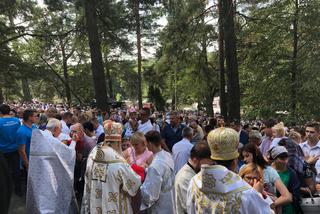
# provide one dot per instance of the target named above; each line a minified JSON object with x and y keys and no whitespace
{"x":24,"y":134}
{"x":8,"y":131}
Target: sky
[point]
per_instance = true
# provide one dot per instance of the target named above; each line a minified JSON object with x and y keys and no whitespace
{"x":163,"y":22}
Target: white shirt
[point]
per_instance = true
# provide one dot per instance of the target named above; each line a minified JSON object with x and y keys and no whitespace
{"x":181,"y":153}
{"x":65,"y":129}
{"x":181,"y":185}
{"x":310,"y":151}
{"x":317,"y":166}
{"x":145,"y":127}
{"x":99,"y":131}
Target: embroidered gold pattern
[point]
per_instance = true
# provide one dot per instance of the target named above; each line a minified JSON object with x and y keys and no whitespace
{"x":98,"y":193}
{"x":99,"y":210}
{"x":113,"y":197}
{"x":130,"y":184}
{"x":99,"y":154}
{"x":208,"y":181}
{"x":229,"y":179}
{"x":216,"y":203}
{"x":99,"y":173}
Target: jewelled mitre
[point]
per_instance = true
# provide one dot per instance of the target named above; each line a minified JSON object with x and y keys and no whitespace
{"x":113,"y":131}
{"x":223,"y":143}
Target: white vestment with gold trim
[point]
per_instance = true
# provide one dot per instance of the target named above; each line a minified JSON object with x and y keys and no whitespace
{"x":215,"y":189}
{"x":50,"y":175}
{"x":109,"y":183}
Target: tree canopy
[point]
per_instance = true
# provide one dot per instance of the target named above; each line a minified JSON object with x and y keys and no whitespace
{"x":261,"y":56}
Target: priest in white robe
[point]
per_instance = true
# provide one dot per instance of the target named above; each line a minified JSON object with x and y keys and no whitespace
{"x":109,"y":180}
{"x":200,"y":154}
{"x":157,"y":190}
{"x":216,"y":188}
{"x":50,"y":175}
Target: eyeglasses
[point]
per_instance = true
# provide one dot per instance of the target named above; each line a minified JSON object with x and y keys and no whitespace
{"x":251,"y":178}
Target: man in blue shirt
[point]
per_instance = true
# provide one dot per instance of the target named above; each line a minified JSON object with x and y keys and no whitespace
{"x":24,"y":134}
{"x":8,"y":145}
{"x":172,"y":133}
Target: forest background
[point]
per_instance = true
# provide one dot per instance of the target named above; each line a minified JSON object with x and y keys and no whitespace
{"x":261,"y":57}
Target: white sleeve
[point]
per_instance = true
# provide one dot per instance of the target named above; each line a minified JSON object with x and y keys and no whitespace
{"x":131,"y":181}
{"x":191,"y":206}
{"x":252,"y":202}
{"x":151,"y":188}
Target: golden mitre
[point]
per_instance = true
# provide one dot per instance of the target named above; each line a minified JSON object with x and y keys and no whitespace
{"x":223,"y":143}
{"x":112,"y":131}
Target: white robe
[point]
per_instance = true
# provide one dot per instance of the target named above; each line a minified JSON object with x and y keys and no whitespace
{"x":50,"y":175}
{"x":64,"y":129}
{"x":181,"y":185}
{"x":157,"y":189}
{"x":215,"y":189}
{"x":109,"y":183}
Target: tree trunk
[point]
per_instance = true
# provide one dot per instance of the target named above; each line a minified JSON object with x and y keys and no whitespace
{"x":294,"y":61}
{"x":99,"y":82}
{"x":1,"y":95}
{"x":138,"y":34}
{"x":65,"y":72}
{"x":231,"y":61}
{"x":109,"y":79}
{"x":26,"y":90}
{"x":223,"y":100}
{"x":209,"y":94}
{"x":209,"y":100}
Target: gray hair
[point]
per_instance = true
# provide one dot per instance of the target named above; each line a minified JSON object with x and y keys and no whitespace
{"x":255,"y":134}
{"x":187,"y":132}
{"x":53,"y":123}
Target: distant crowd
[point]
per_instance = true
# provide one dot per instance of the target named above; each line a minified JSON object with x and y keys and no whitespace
{"x":143,"y":161}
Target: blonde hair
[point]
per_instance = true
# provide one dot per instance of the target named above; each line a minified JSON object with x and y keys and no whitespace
{"x":138,"y":137}
{"x":279,"y":129}
{"x":251,"y":168}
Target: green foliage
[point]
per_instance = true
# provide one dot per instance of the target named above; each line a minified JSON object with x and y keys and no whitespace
{"x":182,"y":67}
{"x":266,"y":50}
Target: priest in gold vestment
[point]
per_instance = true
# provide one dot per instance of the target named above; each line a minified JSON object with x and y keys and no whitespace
{"x":216,"y":188}
{"x":109,"y":180}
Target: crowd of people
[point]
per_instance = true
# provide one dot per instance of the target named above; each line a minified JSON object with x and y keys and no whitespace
{"x":71,"y":160}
